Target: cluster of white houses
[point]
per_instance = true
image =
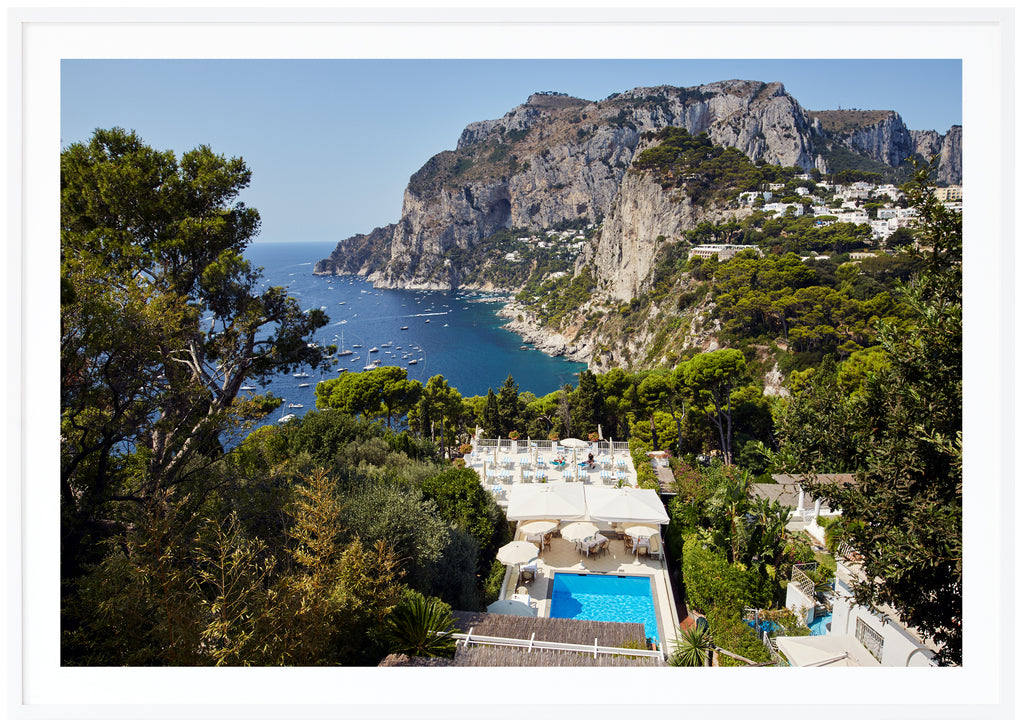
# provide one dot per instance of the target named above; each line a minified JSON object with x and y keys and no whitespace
{"x":569,"y":239}
{"x":888,"y":218}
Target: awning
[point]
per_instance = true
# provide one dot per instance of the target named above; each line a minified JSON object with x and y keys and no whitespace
{"x":625,"y":504}
{"x":828,"y":650}
{"x":546,"y":502}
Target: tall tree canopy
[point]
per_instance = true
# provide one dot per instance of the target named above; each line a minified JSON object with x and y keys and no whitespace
{"x":162,"y":321}
{"x":904,"y":439}
{"x":711,"y":378}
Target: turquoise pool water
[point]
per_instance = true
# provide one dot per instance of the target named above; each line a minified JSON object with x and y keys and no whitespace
{"x":592,"y":597}
{"x":819,"y":626}
{"x":769,"y":627}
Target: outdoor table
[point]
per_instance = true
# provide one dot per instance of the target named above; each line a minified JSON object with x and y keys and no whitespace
{"x":641,"y":543}
{"x":594,"y":542}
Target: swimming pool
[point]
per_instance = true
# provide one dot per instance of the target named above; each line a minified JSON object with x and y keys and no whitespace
{"x":820,"y":626}
{"x":593,"y":597}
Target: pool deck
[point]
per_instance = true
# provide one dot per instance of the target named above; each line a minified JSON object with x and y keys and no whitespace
{"x":562,"y":557}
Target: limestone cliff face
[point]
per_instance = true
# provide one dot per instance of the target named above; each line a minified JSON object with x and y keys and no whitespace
{"x":641,"y":215}
{"x":883,"y":137}
{"x":557,"y":158}
{"x":553,"y":159}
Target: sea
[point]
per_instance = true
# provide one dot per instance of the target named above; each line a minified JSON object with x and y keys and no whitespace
{"x":455,"y":334}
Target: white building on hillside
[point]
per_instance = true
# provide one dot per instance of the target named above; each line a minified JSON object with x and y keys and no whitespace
{"x":780,"y":208}
{"x":724,"y":252}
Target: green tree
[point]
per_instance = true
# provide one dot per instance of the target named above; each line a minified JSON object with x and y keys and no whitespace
{"x":908,"y":422}
{"x":614,"y":384}
{"x":162,"y":322}
{"x":463,"y":502}
{"x":587,"y":404}
{"x":439,"y":411}
{"x":510,"y":408}
{"x":711,"y":378}
{"x":666,"y":389}
{"x":491,"y":419}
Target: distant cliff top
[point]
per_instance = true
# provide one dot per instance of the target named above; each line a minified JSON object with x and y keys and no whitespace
{"x":842,"y":121}
{"x":554,"y":101}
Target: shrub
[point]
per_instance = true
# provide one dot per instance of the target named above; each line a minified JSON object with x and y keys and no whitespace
{"x":645,"y":476}
{"x":492,"y":583}
{"x":731,"y":633}
{"x":711,"y":583}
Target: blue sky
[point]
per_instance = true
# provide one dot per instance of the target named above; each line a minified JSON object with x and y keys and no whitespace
{"x":332,"y":143}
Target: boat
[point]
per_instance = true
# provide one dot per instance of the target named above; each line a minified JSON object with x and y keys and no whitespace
{"x":301,"y":375}
{"x":427,"y":321}
{"x":286,"y":418}
{"x":342,"y":371}
{"x":370,"y":367}
{"x":304,"y":385}
{"x":357,"y":345}
{"x":377,"y":361}
{"x":522,"y":348}
{"x":405,"y":328}
{"x":248,"y":388}
{"x":413,"y":361}
{"x":374,"y":349}
{"x":296,"y":406}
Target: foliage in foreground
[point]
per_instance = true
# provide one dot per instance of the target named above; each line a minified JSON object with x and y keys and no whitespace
{"x":902,"y":435}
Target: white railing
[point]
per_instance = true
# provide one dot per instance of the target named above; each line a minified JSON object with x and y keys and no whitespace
{"x":530,"y":644}
{"x":804,"y":582}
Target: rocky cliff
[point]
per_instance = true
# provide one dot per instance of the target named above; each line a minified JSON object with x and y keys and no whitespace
{"x":558,"y":158}
{"x":882,"y":137}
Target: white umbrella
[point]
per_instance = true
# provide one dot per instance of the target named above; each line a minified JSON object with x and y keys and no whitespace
{"x":573,"y":442}
{"x":546,"y":502}
{"x":511,"y":607}
{"x":484,"y":475}
{"x":517,"y":552}
{"x":641,"y":531}
{"x":625,"y":505}
{"x":580,"y":530}
{"x":538,"y":527}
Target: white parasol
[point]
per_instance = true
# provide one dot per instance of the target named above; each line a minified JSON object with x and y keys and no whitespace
{"x":637,"y":530}
{"x":580,"y":530}
{"x":538,"y":527}
{"x":573,"y":443}
{"x":625,"y":505}
{"x":517,"y":552}
{"x":546,"y":502}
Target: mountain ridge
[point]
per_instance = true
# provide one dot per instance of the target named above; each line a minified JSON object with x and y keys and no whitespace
{"x":557,"y":157}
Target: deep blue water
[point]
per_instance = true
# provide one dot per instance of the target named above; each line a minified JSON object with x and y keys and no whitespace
{"x":590,"y":597}
{"x":452,"y":334}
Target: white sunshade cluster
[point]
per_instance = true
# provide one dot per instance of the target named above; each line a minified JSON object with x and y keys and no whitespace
{"x":583,"y":502}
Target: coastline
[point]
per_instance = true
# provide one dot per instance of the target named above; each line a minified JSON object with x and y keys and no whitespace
{"x":525,"y":325}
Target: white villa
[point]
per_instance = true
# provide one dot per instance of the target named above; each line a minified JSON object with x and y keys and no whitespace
{"x":724,"y":252}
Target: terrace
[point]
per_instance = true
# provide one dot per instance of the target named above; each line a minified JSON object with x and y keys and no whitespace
{"x":505,"y":463}
{"x":562,"y":556}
